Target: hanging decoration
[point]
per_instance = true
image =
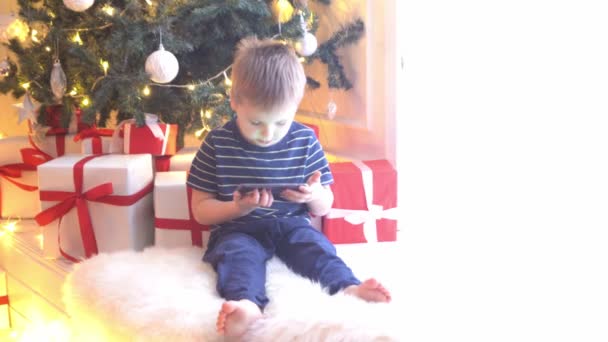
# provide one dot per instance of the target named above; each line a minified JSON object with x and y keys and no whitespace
{"x":27,"y":109}
{"x":58,"y":81}
{"x":5,"y":67}
{"x":78,"y":5}
{"x":162,"y":66}
{"x":307,"y":44}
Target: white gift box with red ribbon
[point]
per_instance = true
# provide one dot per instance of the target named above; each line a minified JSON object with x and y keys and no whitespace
{"x":5,"y":322}
{"x":96,"y":203}
{"x":156,"y":138}
{"x":181,"y":161}
{"x":174,"y":222}
{"x":365,"y":203}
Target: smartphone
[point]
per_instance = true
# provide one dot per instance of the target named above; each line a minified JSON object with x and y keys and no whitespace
{"x":276,"y":188}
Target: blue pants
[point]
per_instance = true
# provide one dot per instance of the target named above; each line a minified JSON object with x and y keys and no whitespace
{"x":239,"y":253}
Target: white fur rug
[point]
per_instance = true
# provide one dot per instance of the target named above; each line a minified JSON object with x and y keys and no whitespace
{"x":169,"y":295}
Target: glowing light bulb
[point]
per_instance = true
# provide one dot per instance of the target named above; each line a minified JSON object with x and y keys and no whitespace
{"x":227,"y":81}
{"x":35,"y":36}
{"x":149,"y":2}
{"x":85,"y":102}
{"x":191,"y":87}
{"x":105,"y":65}
{"x":47,"y":48}
{"x":25,"y":86}
{"x":208,"y":114}
{"x":146,"y":91}
{"x":76,"y":39}
{"x":73,"y":92}
{"x":109,"y":10}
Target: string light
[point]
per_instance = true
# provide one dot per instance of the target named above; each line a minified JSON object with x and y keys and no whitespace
{"x":47,"y":48}
{"x":227,"y":81}
{"x":34,"y":36}
{"x":191,"y":87}
{"x":109,"y":10}
{"x":76,"y":39}
{"x":105,"y":65}
{"x":25,"y":86}
{"x":74,"y":92}
{"x":85,"y":102}
{"x":149,"y":2}
{"x":146,"y":91}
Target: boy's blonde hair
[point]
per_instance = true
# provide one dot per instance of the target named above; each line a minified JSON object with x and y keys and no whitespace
{"x":266,"y":74}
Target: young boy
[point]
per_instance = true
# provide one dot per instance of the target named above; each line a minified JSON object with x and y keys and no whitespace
{"x":264,"y":145}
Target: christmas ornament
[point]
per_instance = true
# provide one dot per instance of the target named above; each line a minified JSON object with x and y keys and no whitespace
{"x":58,"y":80}
{"x":5,"y":68}
{"x":282,"y":11}
{"x":162,"y":66}
{"x":332,"y":108}
{"x":307,"y":44}
{"x":39,"y":31}
{"x":12,"y":27}
{"x":78,"y":5}
{"x":27,"y":109}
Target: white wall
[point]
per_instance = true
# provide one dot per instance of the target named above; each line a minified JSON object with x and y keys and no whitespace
{"x":503,"y":152}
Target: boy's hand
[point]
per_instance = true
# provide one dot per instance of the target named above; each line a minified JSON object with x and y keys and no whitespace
{"x":309,"y":192}
{"x":252,"y":200}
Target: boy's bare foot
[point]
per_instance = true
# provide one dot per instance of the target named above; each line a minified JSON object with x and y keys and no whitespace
{"x":235,"y":317}
{"x":370,"y":290}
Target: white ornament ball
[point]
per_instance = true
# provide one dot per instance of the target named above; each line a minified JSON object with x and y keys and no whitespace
{"x":162,"y":66}
{"x":78,"y":5}
{"x":307,"y":45}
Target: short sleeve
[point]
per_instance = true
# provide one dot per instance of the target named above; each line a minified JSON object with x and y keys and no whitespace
{"x":202,"y":174}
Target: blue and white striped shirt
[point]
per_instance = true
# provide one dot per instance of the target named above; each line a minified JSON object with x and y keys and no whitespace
{"x":225,"y":160}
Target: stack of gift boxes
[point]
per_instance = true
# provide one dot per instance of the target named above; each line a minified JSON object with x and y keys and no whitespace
{"x":99,"y":190}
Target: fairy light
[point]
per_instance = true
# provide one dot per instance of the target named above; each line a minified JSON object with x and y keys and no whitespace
{"x":191,"y":87}
{"x":47,"y":48}
{"x":85,"y":102}
{"x":35,"y":36}
{"x":40,"y":238}
{"x":109,"y":10}
{"x":149,"y":2}
{"x":227,"y":80}
{"x":208,"y":113}
{"x":105,"y":65}
{"x":74,"y":92}
{"x":146,"y":91}
{"x":76,"y":38}
{"x":302,"y":60}
{"x":25,"y":86}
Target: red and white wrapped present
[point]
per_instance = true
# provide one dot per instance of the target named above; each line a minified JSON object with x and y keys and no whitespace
{"x":365,"y":203}
{"x":95,"y":140}
{"x":174,"y":223}
{"x":5,"y":322}
{"x":18,"y":178}
{"x":96,"y":203}
{"x":156,"y":138}
{"x":181,"y":161}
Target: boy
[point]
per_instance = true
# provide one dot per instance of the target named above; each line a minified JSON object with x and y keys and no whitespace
{"x":264,"y":145}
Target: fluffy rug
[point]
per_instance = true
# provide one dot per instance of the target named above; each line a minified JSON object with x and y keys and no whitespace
{"x":169,"y":295}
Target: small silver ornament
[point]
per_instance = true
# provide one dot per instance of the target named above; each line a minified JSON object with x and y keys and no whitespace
{"x":332,"y":108}
{"x":5,"y":68}
{"x":307,"y":44}
{"x":58,"y":80}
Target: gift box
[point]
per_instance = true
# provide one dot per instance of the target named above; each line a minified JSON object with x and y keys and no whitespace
{"x":181,"y":161}
{"x":56,"y":144}
{"x":96,"y":203}
{"x":158,"y":139}
{"x":18,"y":191}
{"x":95,"y":140}
{"x":365,"y":203}
{"x":5,"y":322}
{"x":175,"y":225}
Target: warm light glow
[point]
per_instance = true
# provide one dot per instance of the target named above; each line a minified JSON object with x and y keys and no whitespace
{"x":76,"y":39}
{"x":1,"y":135}
{"x":54,"y":331}
{"x":47,"y":48}
{"x":302,"y":59}
{"x":200,"y":132}
{"x":17,"y":29}
{"x":73,"y":92}
{"x":85,"y":102}
{"x":227,"y":81}
{"x":146,"y":91}
{"x":40,"y":239}
{"x":149,"y":2}
{"x":105,"y":65}
{"x":191,"y":87}
{"x":34,"y":36}
{"x":208,"y":114}
{"x":25,"y":86}
{"x":10,"y":226}
{"x":283,"y":10}
{"x":108,"y":9}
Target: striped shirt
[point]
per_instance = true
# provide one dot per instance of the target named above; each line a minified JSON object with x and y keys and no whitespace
{"x":225,"y":160}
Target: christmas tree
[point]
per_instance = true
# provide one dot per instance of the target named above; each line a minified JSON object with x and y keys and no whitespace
{"x":166,"y":57}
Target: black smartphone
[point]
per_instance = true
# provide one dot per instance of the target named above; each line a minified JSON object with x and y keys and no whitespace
{"x":276,"y":188}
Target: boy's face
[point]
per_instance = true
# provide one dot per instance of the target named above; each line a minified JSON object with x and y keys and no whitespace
{"x":263,"y":127}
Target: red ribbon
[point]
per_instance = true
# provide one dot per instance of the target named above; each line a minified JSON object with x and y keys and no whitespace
{"x":4,"y":300}
{"x":11,"y":171}
{"x":95,"y":134}
{"x":162,"y":163}
{"x":196,"y":229}
{"x":68,"y":200}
